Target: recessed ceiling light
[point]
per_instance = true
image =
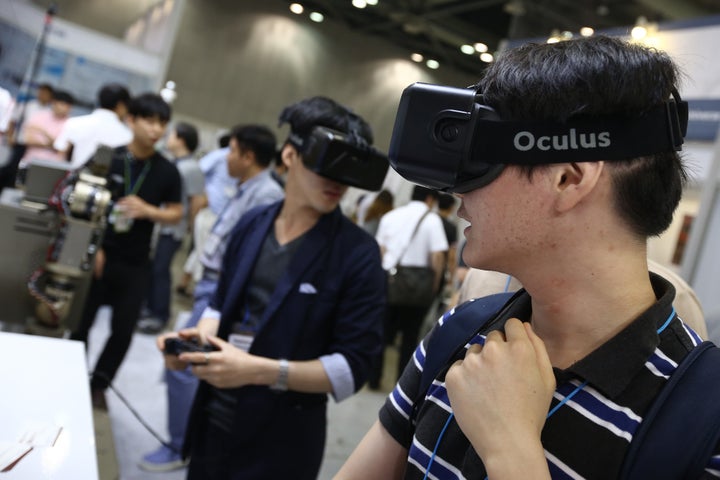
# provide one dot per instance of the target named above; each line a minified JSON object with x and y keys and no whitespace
{"x":486,"y":57}
{"x":416,"y":57}
{"x":480,"y":47}
{"x":317,"y":17}
{"x":467,"y":49}
{"x":359,"y":3}
{"x":587,"y":31}
{"x":296,"y":8}
{"x":433,"y":64}
{"x":371,"y":2}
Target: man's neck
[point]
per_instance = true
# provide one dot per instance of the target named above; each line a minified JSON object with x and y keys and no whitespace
{"x":581,"y":307}
{"x":294,"y":220}
{"x":251,"y":172}
{"x":140,"y":152}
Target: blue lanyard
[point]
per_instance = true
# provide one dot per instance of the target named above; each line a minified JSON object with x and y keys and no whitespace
{"x":550,"y":413}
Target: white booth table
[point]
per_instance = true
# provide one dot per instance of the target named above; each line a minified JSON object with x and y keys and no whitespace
{"x":45,"y":402}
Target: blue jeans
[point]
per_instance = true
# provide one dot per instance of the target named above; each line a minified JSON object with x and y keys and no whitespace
{"x":158,"y":302}
{"x":182,"y":384}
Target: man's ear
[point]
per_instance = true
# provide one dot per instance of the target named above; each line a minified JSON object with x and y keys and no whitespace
{"x":573,"y":182}
{"x":289,"y":155}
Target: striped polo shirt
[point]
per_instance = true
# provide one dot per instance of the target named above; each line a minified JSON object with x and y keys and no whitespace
{"x":589,"y":435}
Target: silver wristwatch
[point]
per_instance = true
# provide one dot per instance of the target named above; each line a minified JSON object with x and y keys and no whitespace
{"x":281,"y":384}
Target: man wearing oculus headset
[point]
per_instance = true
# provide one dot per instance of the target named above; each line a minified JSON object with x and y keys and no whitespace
{"x":297,"y":313}
{"x":557,"y":382}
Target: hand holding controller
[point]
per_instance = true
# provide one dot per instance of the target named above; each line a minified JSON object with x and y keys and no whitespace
{"x":176,"y":346}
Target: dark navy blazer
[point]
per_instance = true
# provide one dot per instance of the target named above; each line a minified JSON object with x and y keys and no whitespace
{"x":345,"y":315}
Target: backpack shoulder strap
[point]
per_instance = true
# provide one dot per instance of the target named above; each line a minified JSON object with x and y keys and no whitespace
{"x":680,"y":432}
{"x":454,"y":333}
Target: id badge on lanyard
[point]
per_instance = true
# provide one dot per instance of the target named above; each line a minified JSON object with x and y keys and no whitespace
{"x":243,"y":334}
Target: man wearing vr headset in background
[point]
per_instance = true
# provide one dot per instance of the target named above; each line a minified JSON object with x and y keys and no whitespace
{"x":251,"y":150}
{"x":297,"y":313}
{"x":558,"y":382}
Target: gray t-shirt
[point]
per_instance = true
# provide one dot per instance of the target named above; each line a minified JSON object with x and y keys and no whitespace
{"x":193,"y":183}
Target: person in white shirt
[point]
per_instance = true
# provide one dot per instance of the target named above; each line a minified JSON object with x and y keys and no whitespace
{"x":81,"y":136}
{"x":426,"y":248}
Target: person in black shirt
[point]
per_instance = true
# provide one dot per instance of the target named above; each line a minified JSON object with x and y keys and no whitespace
{"x":149,"y":191}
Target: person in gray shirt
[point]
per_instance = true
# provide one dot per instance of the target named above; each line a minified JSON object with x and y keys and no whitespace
{"x":181,"y":143}
{"x":252,"y":148}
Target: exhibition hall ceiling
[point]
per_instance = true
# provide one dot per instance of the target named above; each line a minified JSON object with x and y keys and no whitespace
{"x":438,"y":28}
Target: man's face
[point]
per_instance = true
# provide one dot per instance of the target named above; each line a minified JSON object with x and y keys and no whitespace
{"x":239,"y":160}
{"x":507,"y":221}
{"x":319,"y":193}
{"x":44,"y":96}
{"x":147,"y":130}
{"x":60,"y":109}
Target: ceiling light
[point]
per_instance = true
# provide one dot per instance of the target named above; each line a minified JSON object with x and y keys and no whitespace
{"x":486,"y":57}
{"x":416,"y":57}
{"x":433,"y":64}
{"x":480,"y":47}
{"x":359,"y":3}
{"x":467,"y":49}
{"x":317,"y":17}
{"x":296,"y":8}
{"x":587,"y":31}
{"x":566,"y":35}
{"x":371,"y":2}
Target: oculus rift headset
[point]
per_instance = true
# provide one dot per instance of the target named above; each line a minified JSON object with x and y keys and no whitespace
{"x":446,"y":139}
{"x":347,"y":159}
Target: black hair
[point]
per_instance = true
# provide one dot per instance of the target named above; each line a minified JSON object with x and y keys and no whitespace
{"x":46,"y":86}
{"x":324,"y":112}
{"x":224,"y":140}
{"x":258,"y":139}
{"x":421,"y":193}
{"x":148,"y":105}
{"x":596,"y":76}
{"x":111,"y":94}
{"x":63,"y":96}
{"x":188,"y":134}
{"x":446,"y":201}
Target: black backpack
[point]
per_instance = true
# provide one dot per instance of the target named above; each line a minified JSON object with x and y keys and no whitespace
{"x":678,"y":434}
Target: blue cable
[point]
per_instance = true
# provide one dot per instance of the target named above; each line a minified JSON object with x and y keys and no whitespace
{"x":554,"y":409}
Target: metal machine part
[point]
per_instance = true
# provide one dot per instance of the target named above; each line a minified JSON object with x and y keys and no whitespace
{"x":49,"y":248}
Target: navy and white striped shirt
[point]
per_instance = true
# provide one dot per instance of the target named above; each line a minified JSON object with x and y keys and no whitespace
{"x":587,"y":437}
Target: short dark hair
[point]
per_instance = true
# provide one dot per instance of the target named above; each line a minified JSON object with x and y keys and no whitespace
{"x":148,"y":105}
{"x":46,"y":86}
{"x":224,"y":140}
{"x":421,"y":193}
{"x":188,"y":134}
{"x":324,"y":112}
{"x":63,"y":96}
{"x":596,"y":76}
{"x":111,"y":94}
{"x":446,"y":201}
{"x":258,"y":139}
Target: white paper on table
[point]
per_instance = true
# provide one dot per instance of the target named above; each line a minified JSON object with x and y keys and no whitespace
{"x":39,"y":435}
{"x":11,"y":453}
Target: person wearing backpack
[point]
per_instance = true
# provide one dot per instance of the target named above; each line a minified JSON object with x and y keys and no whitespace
{"x":566,"y":159}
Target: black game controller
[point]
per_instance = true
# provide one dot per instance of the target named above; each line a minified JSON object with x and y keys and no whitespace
{"x":176,"y":346}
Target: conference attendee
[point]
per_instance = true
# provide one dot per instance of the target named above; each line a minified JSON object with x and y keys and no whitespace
{"x":561,"y":379}
{"x":13,"y":116}
{"x":41,"y":129}
{"x":181,"y":143}
{"x":248,"y":162}
{"x":82,"y":135}
{"x":149,"y":193}
{"x":410,"y":235}
{"x":297,"y":314}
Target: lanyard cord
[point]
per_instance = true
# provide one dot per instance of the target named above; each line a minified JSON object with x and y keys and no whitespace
{"x":130,"y":188}
{"x":550,"y":413}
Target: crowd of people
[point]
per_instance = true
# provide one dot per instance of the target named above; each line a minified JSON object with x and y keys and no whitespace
{"x":291,"y":295}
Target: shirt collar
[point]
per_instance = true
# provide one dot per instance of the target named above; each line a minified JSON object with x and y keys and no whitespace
{"x":613,"y":365}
